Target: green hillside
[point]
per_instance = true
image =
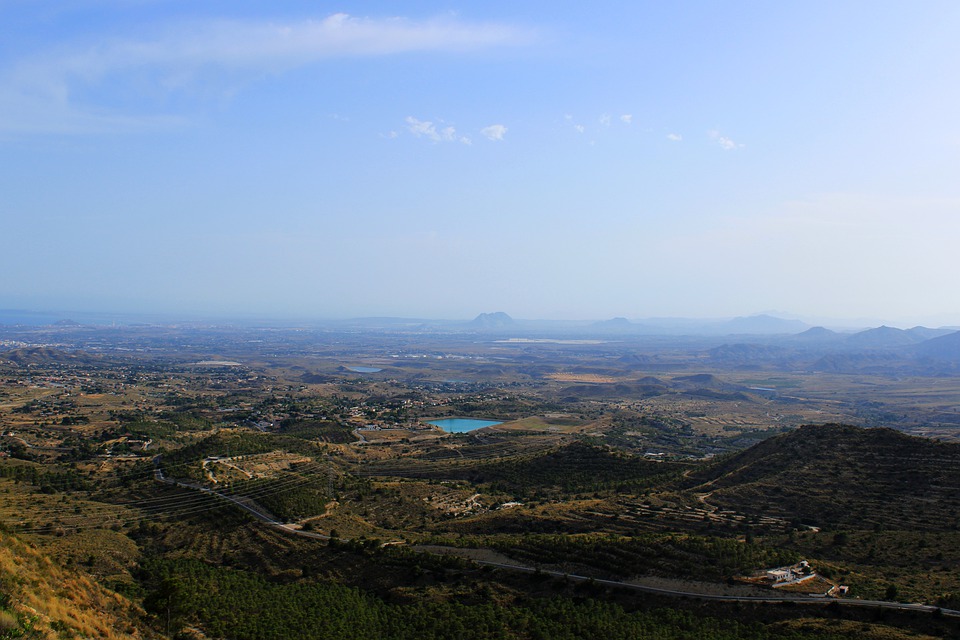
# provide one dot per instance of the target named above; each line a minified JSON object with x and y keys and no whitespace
{"x":841,"y":476}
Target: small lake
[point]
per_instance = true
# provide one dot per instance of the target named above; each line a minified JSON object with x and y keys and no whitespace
{"x":364,"y":369}
{"x":462,"y":425}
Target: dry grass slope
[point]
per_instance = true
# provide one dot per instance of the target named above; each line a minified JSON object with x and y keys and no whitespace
{"x":63,"y":603}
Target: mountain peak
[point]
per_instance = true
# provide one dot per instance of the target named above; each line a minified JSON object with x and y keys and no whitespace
{"x":495,"y":320}
{"x":882,"y":337}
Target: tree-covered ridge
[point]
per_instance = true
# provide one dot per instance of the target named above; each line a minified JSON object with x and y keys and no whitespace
{"x":578,"y":467}
{"x":322,"y":430}
{"x":236,"y":443}
{"x":290,"y":495}
{"x":49,"y":478}
{"x":676,"y":555}
{"x":242,"y":605}
{"x":843,"y":476}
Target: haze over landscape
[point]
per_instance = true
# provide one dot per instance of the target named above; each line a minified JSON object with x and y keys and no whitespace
{"x":442,"y":320}
{"x":438,"y":159}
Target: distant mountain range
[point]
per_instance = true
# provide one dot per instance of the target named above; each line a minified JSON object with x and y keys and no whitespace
{"x":881,"y":350}
{"x":944,"y":348}
{"x":755,"y":329}
{"x":748,"y":325}
{"x":884,"y":338}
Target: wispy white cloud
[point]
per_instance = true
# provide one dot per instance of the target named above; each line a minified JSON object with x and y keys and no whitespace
{"x":626,"y":118}
{"x":427,"y":129}
{"x":674,"y":137}
{"x":259,"y":45}
{"x":423,"y":128}
{"x":605,"y":120}
{"x":494,"y":132}
{"x":40,"y":92}
{"x":569,"y":120}
{"x":725,"y":143}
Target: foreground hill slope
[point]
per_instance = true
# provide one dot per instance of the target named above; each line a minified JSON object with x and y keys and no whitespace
{"x":841,"y":476}
{"x":40,"y":599}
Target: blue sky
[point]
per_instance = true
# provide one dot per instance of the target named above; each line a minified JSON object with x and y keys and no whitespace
{"x":439,"y":159}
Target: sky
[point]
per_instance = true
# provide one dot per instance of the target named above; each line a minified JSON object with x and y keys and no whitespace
{"x":553,"y":160}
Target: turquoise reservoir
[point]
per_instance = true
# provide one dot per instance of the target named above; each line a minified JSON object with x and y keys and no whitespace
{"x":462,"y":425}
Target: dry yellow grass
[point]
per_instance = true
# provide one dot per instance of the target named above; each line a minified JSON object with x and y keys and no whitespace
{"x":58,"y":597}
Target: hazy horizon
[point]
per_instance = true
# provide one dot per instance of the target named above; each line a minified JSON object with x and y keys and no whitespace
{"x":443,"y":159}
{"x":52,"y":315}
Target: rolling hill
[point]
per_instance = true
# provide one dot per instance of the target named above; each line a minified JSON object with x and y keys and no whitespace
{"x":945,"y":348}
{"x":43,"y":356}
{"x":40,"y":599}
{"x":883,"y":338}
{"x":840,"y":476}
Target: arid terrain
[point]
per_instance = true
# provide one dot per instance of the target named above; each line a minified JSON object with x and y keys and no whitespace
{"x":150,"y":461}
